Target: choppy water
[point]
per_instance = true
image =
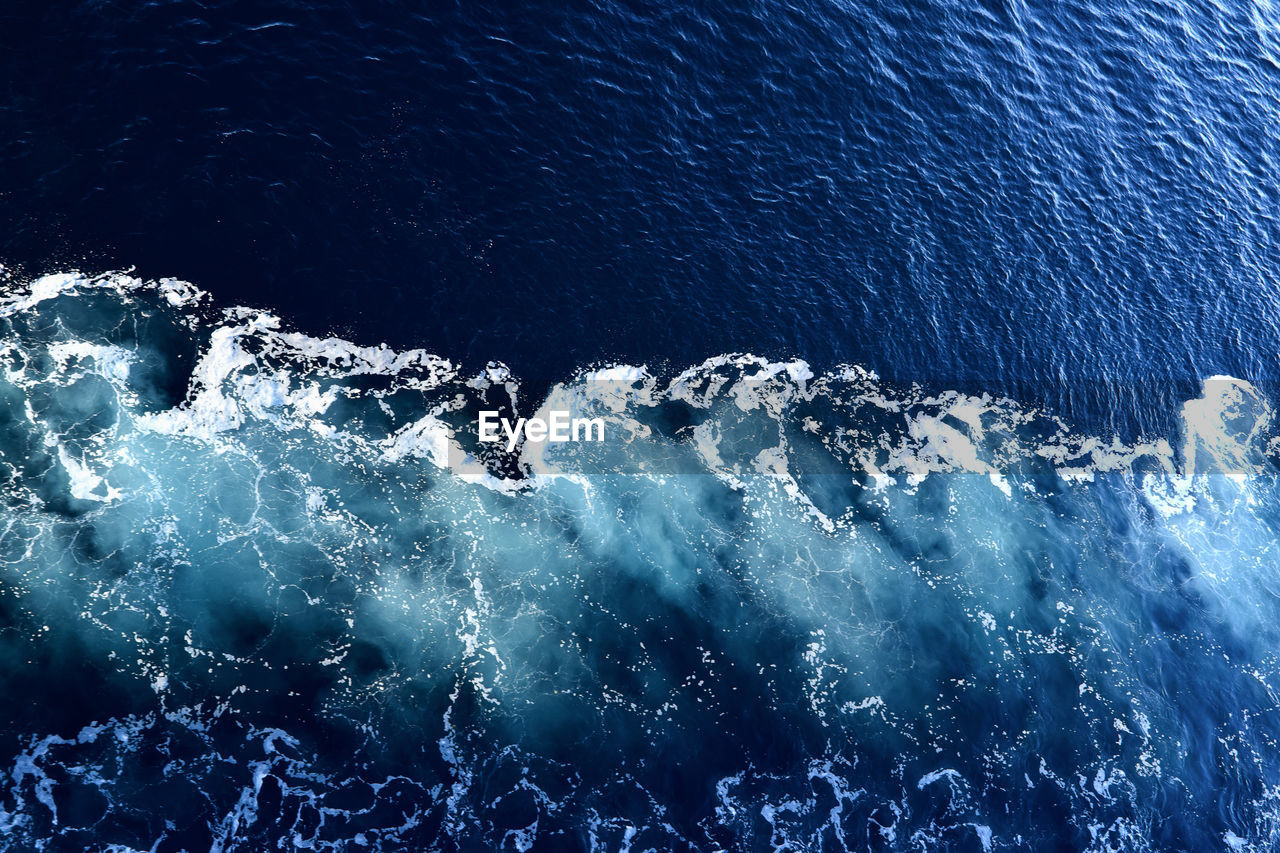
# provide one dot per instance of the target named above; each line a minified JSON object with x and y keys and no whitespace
{"x":260,"y":589}
{"x":937,"y":346}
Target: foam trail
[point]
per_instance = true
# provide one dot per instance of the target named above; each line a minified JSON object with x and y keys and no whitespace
{"x":258,"y":587}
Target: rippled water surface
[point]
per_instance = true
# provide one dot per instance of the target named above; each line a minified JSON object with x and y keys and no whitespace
{"x":1072,"y":203}
{"x":936,"y":350}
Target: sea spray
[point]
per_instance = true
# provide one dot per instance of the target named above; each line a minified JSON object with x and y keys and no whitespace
{"x":258,"y":585}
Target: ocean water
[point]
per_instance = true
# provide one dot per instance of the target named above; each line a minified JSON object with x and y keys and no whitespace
{"x":1072,"y":203}
{"x":261,"y":589}
{"x":936,"y":347}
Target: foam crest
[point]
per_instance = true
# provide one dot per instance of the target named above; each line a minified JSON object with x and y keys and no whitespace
{"x":873,"y":616}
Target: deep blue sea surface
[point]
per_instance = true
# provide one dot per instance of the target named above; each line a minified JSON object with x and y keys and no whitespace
{"x":936,"y":347}
{"x":1070,"y":202}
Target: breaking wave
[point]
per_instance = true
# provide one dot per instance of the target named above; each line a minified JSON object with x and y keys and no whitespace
{"x":262,"y":589}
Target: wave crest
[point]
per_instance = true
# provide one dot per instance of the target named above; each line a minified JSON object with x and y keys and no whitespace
{"x":773,"y":608}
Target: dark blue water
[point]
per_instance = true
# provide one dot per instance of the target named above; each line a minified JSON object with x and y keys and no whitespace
{"x":1069,"y":202}
{"x":262,"y":586}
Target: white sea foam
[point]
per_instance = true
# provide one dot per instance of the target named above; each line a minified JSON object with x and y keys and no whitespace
{"x":869,"y":566}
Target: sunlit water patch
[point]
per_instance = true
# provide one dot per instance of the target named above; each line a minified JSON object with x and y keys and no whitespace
{"x":260,"y":589}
